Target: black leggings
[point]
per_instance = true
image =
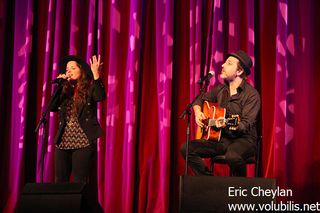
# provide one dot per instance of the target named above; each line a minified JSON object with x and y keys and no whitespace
{"x":236,"y":151}
{"x":77,"y":161}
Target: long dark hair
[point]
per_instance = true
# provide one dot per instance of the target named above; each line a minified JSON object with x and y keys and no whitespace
{"x":78,"y":90}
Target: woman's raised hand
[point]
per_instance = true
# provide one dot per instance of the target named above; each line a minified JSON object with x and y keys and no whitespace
{"x":95,"y":65}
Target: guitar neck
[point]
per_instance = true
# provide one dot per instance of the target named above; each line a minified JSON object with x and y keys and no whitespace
{"x":232,"y":121}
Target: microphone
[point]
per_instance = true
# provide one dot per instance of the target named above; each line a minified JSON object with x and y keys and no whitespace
{"x":59,"y":81}
{"x":210,"y":74}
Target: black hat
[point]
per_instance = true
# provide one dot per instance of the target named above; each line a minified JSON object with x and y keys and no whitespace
{"x":245,"y":60}
{"x":84,"y":65}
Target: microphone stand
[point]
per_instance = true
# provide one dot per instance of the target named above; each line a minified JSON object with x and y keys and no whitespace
{"x":187,"y":111}
{"x":43,"y":121}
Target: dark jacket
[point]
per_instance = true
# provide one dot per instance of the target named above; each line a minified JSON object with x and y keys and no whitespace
{"x":87,"y":113}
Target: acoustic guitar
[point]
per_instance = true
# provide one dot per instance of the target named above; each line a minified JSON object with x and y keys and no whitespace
{"x":213,"y":111}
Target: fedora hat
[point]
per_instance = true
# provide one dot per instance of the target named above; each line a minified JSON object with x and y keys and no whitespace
{"x":245,"y":60}
{"x":84,"y":65}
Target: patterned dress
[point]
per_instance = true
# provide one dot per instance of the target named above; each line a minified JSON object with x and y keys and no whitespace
{"x":73,"y":136}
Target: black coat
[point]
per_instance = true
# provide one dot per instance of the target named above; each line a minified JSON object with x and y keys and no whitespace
{"x":87,"y":112}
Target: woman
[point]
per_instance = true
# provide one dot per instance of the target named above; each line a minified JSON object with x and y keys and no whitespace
{"x":75,"y":100}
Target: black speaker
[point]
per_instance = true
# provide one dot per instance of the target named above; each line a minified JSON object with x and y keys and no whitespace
{"x":219,"y":194}
{"x":56,"y":197}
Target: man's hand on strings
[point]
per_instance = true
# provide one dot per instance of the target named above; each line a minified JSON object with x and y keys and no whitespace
{"x":199,"y":116}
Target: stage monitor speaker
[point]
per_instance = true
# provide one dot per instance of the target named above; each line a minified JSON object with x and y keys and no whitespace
{"x":213,"y":194}
{"x":56,"y":197}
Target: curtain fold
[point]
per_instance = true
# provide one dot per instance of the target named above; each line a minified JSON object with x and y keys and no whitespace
{"x":23,"y":24}
{"x":164,"y":60}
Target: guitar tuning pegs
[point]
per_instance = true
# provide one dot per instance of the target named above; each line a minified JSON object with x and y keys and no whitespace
{"x":232,"y":128}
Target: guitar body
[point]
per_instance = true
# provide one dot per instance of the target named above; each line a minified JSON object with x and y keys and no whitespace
{"x":213,"y":111}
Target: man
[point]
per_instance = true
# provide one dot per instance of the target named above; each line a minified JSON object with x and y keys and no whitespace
{"x":238,"y":98}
